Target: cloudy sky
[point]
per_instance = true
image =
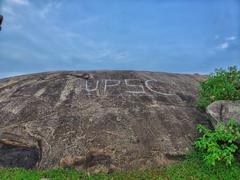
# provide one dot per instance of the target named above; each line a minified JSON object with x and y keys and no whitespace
{"x":184,"y":36}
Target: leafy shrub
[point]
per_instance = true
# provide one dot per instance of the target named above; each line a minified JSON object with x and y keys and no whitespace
{"x":221,"y":85}
{"x":219,"y":144}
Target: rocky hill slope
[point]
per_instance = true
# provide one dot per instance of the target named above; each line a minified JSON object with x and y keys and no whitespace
{"x":97,"y":120}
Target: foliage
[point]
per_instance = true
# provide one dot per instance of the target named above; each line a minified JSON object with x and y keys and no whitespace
{"x":221,"y":85}
{"x":219,"y":144}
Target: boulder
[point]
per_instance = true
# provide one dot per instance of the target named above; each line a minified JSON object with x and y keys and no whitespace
{"x":222,"y":111}
{"x":98,"y":120}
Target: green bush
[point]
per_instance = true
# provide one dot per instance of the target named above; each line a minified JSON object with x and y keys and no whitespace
{"x":219,"y":144}
{"x":221,"y":85}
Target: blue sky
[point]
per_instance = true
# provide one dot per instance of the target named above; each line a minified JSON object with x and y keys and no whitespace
{"x":184,"y":36}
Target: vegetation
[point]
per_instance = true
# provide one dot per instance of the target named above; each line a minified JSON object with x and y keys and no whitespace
{"x":221,"y":85}
{"x":219,"y":144}
{"x":218,"y":148}
{"x":191,"y":168}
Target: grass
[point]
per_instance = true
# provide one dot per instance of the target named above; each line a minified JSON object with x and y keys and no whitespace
{"x":191,"y":168}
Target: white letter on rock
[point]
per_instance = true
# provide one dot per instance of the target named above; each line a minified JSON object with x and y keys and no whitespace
{"x":147,"y":85}
{"x":91,"y":90}
{"x":110,"y":85}
{"x":131,"y":85}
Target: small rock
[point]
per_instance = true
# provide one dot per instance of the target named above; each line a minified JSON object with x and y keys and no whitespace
{"x":222,"y":111}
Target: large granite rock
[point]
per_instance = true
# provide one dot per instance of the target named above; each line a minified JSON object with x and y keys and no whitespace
{"x":98,"y":120}
{"x":222,"y":111}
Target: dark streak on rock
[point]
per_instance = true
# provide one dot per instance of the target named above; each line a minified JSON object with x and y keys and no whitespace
{"x":18,"y":156}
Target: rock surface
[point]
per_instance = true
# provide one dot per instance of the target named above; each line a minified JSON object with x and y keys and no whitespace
{"x":102,"y":121}
{"x":222,"y":111}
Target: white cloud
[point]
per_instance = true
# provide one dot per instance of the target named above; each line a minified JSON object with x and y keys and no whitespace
{"x":8,"y":11}
{"x":10,"y":74}
{"x":49,"y":8}
{"x":20,"y":2}
{"x":31,"y":23}
{"x":224,"y":45}
{"x":231,"y":38}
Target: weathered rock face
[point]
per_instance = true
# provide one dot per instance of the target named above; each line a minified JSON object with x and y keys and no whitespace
{"x":222,"y":111}
{"x":112,"y":120}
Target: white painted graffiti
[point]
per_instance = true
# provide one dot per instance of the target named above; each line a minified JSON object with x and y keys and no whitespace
{"x":127,"y":81}
{"x":148,"y":86}
{"x":131,"y":86}
{"x":117,"y":82}
{"x":91,"y":90}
